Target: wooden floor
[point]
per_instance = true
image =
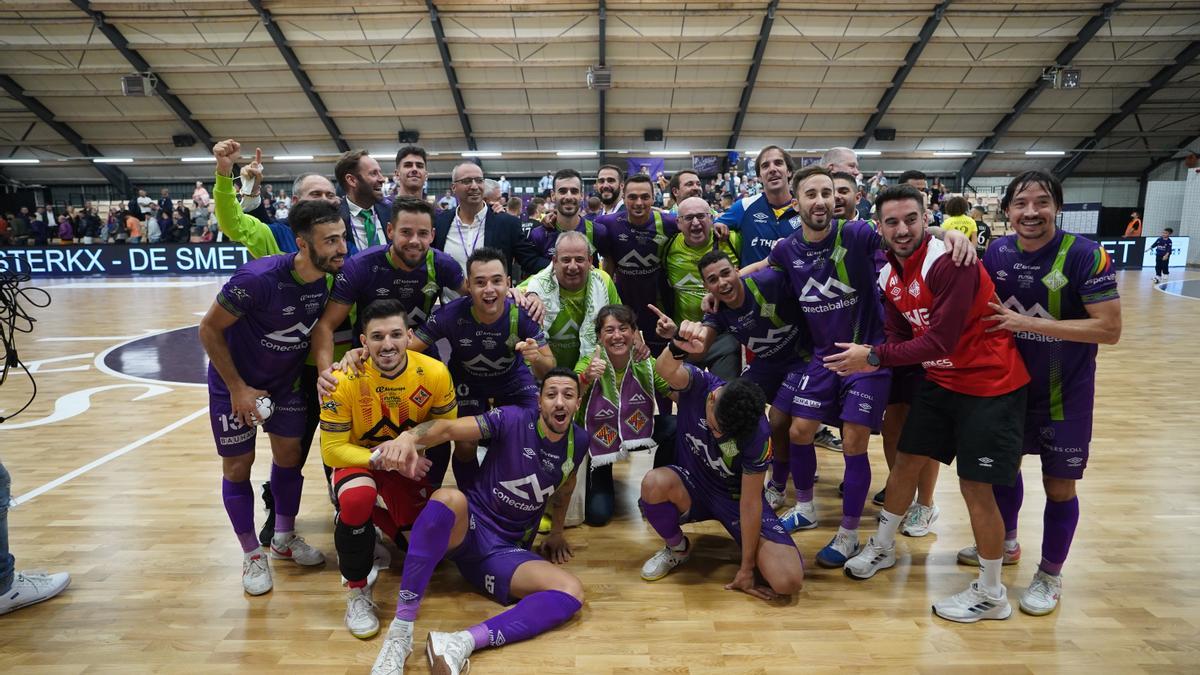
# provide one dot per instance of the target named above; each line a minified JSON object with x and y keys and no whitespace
{"x":156,"y":567}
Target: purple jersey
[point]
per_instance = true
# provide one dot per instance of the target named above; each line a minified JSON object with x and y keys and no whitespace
{"x":373,"y":274}
{"x":482,"y":354}
{"x":276,"y":313}
{"x":835,"y":281}
{"x":521,"y":470}
{"x":716,"y":464}
{"x":768,"y":323}
{"x":637,"y":251}
{"x":1055,"y":282}
{"x":544,"y":238}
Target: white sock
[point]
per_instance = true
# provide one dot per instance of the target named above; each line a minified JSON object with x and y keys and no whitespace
{"x":851,"y":535}
{"x":989,"y":576}
{"x":281,"y":536}
{"x":888,"y":524}
{"x":682,"y":546}
{"x":1010,"y":545}
{"x":401,"y":626}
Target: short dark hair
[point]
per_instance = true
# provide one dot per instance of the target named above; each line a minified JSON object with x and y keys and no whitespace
{"x":1041,"y":177}
{"x":614,"y":167}
{"x":485,"y":254}
{"x":842,"y":175}
{"x":411,"y":150}
{"x":712,"y":257}
{"x":639,"y":178}
{"x":957,"y":206}
{"x":1169,"y":230}
{"x":383,"y":308}
{"x":912,"y":174}
{"x":808,"y":172}
{"x":787,"y":158}
{"x":677,"y":179}
{"x":898,"y":193}
{"x":739,"y":410}
{"x":621,"y":313}
{"x":514,"y":203}
{"x":347,"y":164}
{"x":560,"y":371}
{"x":310,"y":213}
{"x":412,"y":205}
{"x":594,"y":203}
{"x":567,"y":173}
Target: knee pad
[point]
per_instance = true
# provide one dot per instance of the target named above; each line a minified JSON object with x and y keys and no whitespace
{"x":356,"y":549}
{"x":355,"y":505}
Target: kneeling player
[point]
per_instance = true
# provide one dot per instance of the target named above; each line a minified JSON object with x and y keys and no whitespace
{"x":722,"y":449}
{"x":487,"y":529}
{"x":394,"y":390}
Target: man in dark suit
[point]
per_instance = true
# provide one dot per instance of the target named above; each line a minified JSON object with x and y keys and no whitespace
{"x":363,"y":210}
{"x":460,"y":231}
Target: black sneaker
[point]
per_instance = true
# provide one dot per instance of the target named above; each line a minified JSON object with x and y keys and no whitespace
{"x":268,"y":528}
{"x":877,"y":500}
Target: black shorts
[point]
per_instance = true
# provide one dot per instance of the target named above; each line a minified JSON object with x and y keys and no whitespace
{"x":905,"y":381}
{"x":985,"y":433}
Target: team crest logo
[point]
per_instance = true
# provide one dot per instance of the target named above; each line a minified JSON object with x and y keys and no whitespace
{"x":331,"y":406}
{"x":914,"y":289}
{"x":239,"y":293}
{"x":1055,"y":280}
{"x":421,"y":396}
{"x":637,"y":420}
{"x":606,"y":435}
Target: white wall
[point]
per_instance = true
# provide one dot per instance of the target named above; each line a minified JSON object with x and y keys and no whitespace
{"x":1110,"y":192}
{"x":1189,"y":225}
{"x":1164,"y":206}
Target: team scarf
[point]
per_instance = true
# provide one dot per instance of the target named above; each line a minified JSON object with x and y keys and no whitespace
{"x":620,"y":416}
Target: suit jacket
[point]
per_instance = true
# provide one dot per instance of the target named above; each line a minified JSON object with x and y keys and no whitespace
{"x":502,"y":232}
{"x":383,"y":215}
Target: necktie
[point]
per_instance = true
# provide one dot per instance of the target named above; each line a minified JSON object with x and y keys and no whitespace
{"x":369,"y":226}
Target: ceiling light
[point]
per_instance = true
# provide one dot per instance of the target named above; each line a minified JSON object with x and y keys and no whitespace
{"x":197,"y":159}
{"x":19,"y":161}
{"x":669,"y":153}
{"x":868,"y":153}
{"x":481,"y":153}
{"x":1046,"y":153}
{"x":575,"y":153}
{"x":293,"y":158}
{"x":112,"y":160}
{"x":952,"y":154}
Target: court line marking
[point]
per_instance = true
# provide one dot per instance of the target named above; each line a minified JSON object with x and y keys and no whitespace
{"x":99,"y":338}
{"x":1162,"y":288}
{"x":36,"y":492}
{"x":129,"y":284}
{"x":102,"y":367}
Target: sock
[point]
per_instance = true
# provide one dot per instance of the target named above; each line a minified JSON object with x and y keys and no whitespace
{"x":239,"y":504}
{"x":1058,"y":529}
{"x":430,"y":539}
{"x":354,"y":534}
{"x":664,"y":518}
{"x":402,"y":627}
{"x":1009,"y":500}
{"x":286,"y":485}
{"x":854,"y":495}
{"x":779,"y":473}
{"x":989,"y":576}
{"x":536,"y":613}
{"x":888,"y":524}
{"x":803,"y":463}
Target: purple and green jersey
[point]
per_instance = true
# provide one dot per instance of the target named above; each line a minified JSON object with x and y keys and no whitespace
{"x":482,"y":354}
{"x":768,"y":323}
{"x":1056,"y":282}
{"x":374,"y":274}
{"x":717,"y":464}
{"x":835,"y":282}
{"x":545,"y":238}
{"x":637,"y":251}
{"x":521,"y":470}
{"x":276,"y":313}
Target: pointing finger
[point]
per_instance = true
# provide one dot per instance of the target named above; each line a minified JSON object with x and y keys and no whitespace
{"x":258,"y":155}
{"x":658,"y":311}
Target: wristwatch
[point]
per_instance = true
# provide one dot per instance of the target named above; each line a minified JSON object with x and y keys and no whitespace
{"x":872,"y":358}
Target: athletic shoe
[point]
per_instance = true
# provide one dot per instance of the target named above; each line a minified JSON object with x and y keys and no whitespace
{"x":396,"y":648}
{"x":870,"y":560}
{"x":1041,"y":597}
{"x":802,"y":516}
{"x":970,"y":556}
{"x":1156,"y":280}
{"x":841,"y":548}
{"x":449,"y":652}
{"x":973,"y":605}
{"x":660,"y":564}
{"x":877,"y":500}
{"x":297,"y":550}
{"x":256,"y":573}
{"x":918,"y":519}
{"x":29,"y":588}
{"x":825,"y":438}
{"x":775,"y":496}
{"x":360,"y":613}
{"x":268,"y":528}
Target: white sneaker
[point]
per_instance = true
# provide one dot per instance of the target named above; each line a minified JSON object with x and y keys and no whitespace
{"x":360,"y":613}
{"x":294,"y":548}
{"x":970,"y":556}
{"x":918,"y":519}
{"x":256,"y":573}
{"x":802,"y":516}
{"x":32,"y":587}
{"x":775,"y":496}
{"x":1043,"y":593}
{"x":660,"y":564}
{"x":870,"y":560}
{"x":396,"y":648}
{"x":448,"y":652}
{"x":973,"y":605}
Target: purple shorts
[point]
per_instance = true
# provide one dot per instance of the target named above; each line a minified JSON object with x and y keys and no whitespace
{"x":817,"y":393}
{"x":727,"y":512}
{"x":770,"y":377}
{"x":233,"y":438}
{"x":476,"y":399}
{"x":1062,"y":444}
{"x":489,"y":561}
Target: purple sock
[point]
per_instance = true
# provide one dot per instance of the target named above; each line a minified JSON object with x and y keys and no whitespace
{"x":854,"y":494}
{"x":286,"y":485}
{"x":779,"y":473}
{"x":533,"y":615}
{"x":664,"y":518}
{"x":803,"y":461}
{"x":1058,"y":528}
{"x":427,"y":544}
{"x":1009,"y":500}
{"x":239,"y":504}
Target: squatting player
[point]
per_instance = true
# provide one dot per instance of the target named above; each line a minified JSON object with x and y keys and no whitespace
{"x":393,"y":391}
{"x":487,"y":527}
{"x":256,"y":336}
{"x":1059,"y":298}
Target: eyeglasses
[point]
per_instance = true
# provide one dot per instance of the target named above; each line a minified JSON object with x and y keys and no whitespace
{"x":695,"y":216}
{"x":472,"y":180}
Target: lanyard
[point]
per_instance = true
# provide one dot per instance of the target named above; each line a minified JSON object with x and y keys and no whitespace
{"x":462,"y":238}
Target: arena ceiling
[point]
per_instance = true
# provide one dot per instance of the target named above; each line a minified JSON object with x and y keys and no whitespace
{"x":313,"y":77}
